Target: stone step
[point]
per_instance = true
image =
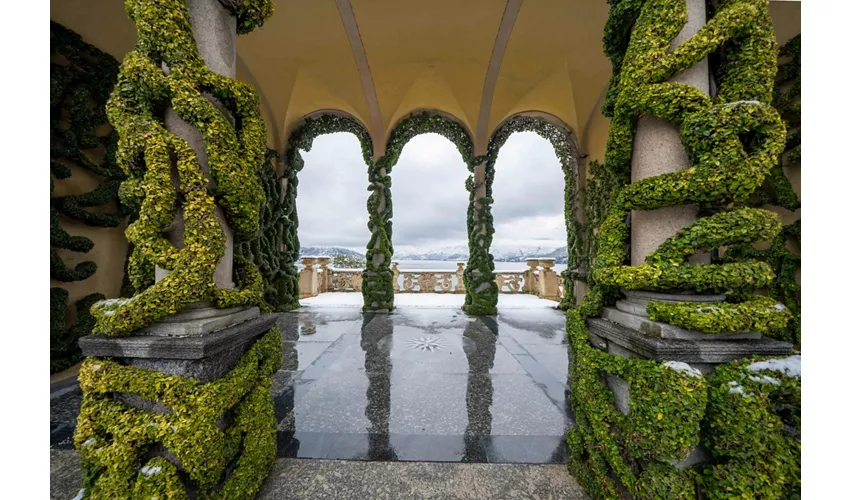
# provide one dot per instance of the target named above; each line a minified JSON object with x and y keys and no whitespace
{"x":296,"y":479}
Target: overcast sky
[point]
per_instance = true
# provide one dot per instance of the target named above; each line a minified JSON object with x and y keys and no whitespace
{"x":429,"y":197}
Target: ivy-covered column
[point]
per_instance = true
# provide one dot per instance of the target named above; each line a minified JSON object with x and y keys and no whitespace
{"x":214,"y":30}
{"x":482,"y":294}
{"x":667,"y":393}
{"x":378,"y":290}
{"x":658,"y":150}
{"x":176,"y":383}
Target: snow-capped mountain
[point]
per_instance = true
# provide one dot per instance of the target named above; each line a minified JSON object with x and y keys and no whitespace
{"x":329,"y":252}
{"x":450,"y":253}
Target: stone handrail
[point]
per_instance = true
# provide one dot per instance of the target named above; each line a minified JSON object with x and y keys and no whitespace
{"x":539,"y":279}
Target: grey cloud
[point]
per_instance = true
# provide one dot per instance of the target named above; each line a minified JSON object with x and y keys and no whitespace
{"x":429,"y":197}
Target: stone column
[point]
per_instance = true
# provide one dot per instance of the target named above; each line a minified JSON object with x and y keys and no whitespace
{"x":214,"y":29}
{"x":658,"y":150}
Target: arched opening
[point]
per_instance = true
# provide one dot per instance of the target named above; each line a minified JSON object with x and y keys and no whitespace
{"x":334,"y":194}
{"x":331,"y":203}
{"x":380,"y":281}
{"x":429,"y":209}
{"x":528,"y":207}
{"x":535,"y":213}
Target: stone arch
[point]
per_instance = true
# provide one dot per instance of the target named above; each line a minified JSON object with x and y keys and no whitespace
{"x":377,"y":284}
{"x":301,"y":138}
{"x":562,"y":138}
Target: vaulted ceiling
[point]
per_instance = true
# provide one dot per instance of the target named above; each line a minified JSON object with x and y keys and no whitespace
{"x":378,"y":60}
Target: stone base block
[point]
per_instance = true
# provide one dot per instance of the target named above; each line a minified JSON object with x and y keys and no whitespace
{"x":205,"y":357}
{"x":702,"y":354}
{"x":637,"y":300}
{"x":661,"y":330}
{"x":199,"y":319}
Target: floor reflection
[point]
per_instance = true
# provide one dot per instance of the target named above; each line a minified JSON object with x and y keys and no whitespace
{"x":430,"y":385}
{"x":480,"y":355}
{"x":378,"y":366}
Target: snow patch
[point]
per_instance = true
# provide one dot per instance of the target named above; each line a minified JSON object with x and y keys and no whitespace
{"x":790,"y":366}
{"x":89,"y":442}
{"x":683,"y":368}
{"x":150,"y":471}
{"x":735,"y":388}
{"x":742,"y":102}
{"x":80,"y":494}
{"x":765,"y":380}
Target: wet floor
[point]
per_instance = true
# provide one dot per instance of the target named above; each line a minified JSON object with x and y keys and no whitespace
{"x":423,"y":385}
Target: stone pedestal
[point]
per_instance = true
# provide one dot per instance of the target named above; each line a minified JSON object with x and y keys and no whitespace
{"x":530,"y":279}
{"x":324,"y":276}
{"x":308,"y":278}
{"x":198,"y":319}
{"x":460,"y":288}
{"x":548,"y":282}
{"x":206,"y":357}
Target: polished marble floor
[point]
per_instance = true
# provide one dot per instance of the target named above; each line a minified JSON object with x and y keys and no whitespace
{"x":423,"y":384}
{"x":420,"y":384}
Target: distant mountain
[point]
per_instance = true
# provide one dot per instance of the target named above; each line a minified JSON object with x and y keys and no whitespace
{"x":329,"y":252}
{"x":504,"y":254}
{"x":455,"y":254}
{"x":520,"y":254}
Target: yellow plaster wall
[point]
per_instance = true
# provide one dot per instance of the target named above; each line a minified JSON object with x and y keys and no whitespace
{"x":428,"y":54}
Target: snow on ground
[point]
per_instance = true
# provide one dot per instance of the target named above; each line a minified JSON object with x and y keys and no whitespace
{"x":426,"y":301}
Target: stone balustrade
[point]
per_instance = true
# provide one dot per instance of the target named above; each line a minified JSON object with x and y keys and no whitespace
{"x":539,"y":279}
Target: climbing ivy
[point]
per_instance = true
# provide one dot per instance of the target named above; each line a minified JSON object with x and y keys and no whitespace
{"x":479,"y":280}
{"x":777,"y":191}
{"x":145,"y":154}
{"x":114,"y":438}
{"x":81,"y":77}
{"x":733,"y":139}
{"x":266,"y":250}
{"x":565,"y":150}
{"x":302,"y":139}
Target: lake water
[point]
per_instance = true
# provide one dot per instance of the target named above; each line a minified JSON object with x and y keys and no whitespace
{"x":449,"y":265}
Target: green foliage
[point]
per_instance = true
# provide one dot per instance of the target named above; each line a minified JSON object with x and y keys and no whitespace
{"x":752,"y":428}
{"x":265,"y":250}
{"x":565,"y":150}
{"x":778,"y":191}
{"x":761,"y":314}
{"x":734,"y":141}
{"x":114,"y":439}
{"x":81,"y":77}
{"x":302,"y":139}
{"x":662,"y":425}
{"x":348,"y":262}
{"x":145,"y":152}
